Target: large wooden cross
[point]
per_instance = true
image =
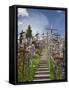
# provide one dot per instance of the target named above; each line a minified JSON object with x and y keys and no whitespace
{"x":51,"y":29}
{"x":56,"y":34}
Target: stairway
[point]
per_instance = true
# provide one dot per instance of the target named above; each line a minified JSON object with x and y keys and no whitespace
{"x":42,"y":73}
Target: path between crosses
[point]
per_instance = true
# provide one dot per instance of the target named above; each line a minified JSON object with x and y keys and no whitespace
{"x":42,"y":73}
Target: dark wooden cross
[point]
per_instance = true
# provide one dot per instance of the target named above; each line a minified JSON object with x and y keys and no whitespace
{"x":51,"y":29}
{"x":37,"y":35}
{"x":57,"y":35}
{"x":21,"y":36}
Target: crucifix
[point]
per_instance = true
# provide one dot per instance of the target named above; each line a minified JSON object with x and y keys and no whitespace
{"x":51,"y":31}
{"x":56,"y":34}
{"x":56,"y":41}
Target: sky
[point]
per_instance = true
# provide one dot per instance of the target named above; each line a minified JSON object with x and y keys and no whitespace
{"x":40,"y":20}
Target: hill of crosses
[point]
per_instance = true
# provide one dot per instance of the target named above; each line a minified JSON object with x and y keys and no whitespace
{"x":41,"y":45}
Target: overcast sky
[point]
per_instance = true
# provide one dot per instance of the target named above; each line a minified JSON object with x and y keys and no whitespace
{"x":40,"y":19}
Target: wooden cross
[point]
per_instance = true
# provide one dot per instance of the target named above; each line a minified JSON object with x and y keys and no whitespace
{"x":51,"y":29}
{"x":56,"y":34}
{"x":21,"y":36}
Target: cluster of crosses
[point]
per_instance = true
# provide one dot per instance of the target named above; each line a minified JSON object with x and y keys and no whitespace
{"x":28,"y":47}
{"x":30,"y":43}
{"x":56,"y":48}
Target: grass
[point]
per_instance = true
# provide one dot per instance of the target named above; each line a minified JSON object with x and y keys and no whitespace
{"x":29,"y":70}
{"x":58,"y":73}
{"x":51,"y":68}
{"x":33,"y":66}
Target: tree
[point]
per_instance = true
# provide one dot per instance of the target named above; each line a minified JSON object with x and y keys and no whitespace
{"x":29,"y":32}
{"x":21,"y":37}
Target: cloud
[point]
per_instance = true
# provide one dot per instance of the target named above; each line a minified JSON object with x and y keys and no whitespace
{"x":38,"y":22}
{"x":59,"y":11}
{"x":22,"y":12}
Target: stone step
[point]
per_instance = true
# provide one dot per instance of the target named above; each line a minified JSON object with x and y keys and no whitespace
{"x":42,"y":66}
{"x":42,"y":72}
{"x":41,"y":79}
{"x":43,"y":69}
{"x":42,"y":76}
{"x":44,"y":62}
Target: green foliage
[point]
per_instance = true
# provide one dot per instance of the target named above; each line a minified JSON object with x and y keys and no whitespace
{"x":51,"y":63}
{"x":29,"y":70}
{"x":29,"y":32}
{"x":33,"y":67}
{"x":58,"y":73}
{"x":51,"y":69}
